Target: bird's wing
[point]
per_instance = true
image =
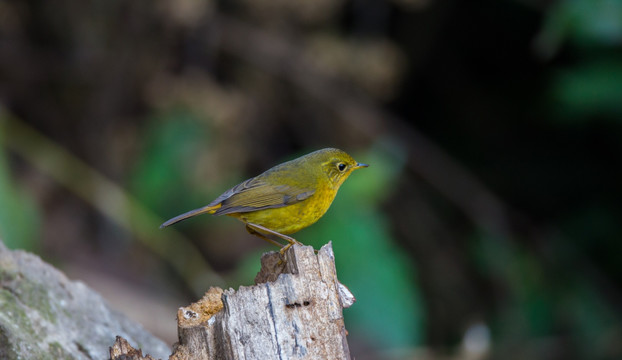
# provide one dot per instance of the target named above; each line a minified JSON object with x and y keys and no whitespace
{"x":255,"y":194}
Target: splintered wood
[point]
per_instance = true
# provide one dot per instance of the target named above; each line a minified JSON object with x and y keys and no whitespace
{"x":294,"y":312}
{"x":122,"y":350}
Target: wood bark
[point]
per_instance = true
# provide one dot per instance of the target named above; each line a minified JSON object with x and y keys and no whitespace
{"x":293,"y":312}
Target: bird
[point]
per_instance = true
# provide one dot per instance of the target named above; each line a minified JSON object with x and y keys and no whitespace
{"x":285,"y":198}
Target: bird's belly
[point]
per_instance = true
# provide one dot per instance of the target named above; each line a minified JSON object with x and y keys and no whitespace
{"x":289,"y":219}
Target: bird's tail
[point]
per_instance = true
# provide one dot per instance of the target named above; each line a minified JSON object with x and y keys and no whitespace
{"x":206,"y":209}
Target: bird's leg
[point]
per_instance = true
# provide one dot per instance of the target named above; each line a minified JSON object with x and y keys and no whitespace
{"x":262,"y":236}
{"x":258,"y":229}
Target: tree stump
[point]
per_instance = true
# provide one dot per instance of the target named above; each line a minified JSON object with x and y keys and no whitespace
{"x":294,"y":312}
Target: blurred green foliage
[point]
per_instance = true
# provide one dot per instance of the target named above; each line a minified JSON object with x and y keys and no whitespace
{"x":590,"y":89}
{"x":20,"y":223}
{"x":169,"y":148}
{"x":591,"y":85}
{"x":587,"y":23}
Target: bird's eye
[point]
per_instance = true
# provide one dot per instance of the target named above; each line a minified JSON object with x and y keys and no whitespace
{"x":341,"y":166}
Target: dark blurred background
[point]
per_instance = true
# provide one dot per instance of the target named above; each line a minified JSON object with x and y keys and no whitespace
{"x":487,"y":226}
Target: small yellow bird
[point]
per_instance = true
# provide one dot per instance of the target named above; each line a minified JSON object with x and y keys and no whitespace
{"x":286,"y":198}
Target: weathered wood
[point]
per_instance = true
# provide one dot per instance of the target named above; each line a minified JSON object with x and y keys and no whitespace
{"x":294,"y":312}
{"x":122,"y":350}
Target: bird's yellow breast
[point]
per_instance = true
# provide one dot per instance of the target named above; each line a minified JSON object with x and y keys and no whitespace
{"x":292,"y":218}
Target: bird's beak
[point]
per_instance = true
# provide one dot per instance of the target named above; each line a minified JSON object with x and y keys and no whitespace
{"x":359,"y":165}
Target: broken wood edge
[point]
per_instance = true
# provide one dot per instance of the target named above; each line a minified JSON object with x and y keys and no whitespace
{"x":122,"y":350}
